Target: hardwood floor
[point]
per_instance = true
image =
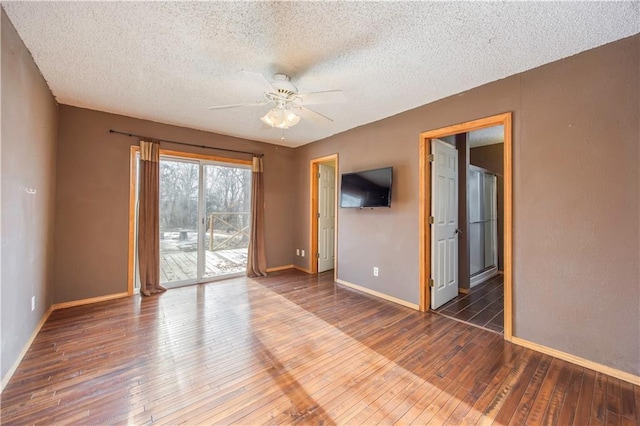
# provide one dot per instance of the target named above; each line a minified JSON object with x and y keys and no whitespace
{"x":482,"y":306}
{"x":293,"y":349}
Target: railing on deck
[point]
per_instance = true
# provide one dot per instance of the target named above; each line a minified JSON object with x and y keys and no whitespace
{"x":219,"y":219}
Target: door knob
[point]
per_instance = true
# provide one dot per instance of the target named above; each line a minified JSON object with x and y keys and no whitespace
{"x":458,"y":231}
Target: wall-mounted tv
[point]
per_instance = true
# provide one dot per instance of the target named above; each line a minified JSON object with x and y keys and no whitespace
{"x":369,"y":188}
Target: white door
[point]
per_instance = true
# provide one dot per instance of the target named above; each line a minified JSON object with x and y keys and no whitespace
{"x":444,"y":230}
{"x":326,"y":216}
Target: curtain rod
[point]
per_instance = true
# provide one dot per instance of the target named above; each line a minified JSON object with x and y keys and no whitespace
{"x":133,"y":135}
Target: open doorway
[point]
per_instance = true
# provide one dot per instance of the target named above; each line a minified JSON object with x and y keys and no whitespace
{"x":465,"y":222}
{"x":479,"y":298}
{"x":323,"y":178}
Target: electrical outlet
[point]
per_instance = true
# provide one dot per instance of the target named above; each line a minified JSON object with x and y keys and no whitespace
{"x":302,"y":253}
{"x":33,"y":303}
{"x":375,"y":271}
{"x":297,"y":252}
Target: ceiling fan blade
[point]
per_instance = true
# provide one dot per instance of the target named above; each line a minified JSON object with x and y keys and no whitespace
{"x":250,"y":104}
{"x":328,"y":97}
{"x":313,"y":116}
{"x":259,"y":78}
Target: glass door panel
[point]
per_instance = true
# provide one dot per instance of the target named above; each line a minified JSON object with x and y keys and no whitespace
{"x":227,"y":207}
{"x":179,"y":197}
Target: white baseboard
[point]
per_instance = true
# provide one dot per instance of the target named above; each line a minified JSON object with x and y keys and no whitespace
{"x":380,"y":295}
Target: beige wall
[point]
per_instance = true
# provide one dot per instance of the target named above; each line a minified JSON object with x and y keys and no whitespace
{"x":576,"y":200}
{"x":29,"y":121}
{"x":92,"y":201}
{"x":491,"y":157}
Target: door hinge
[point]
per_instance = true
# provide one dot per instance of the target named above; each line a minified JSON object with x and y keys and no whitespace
{"x":318,"y":215}
{"x":318,"y":175}
{"x":431,"y":158}
{"x":431,"y":220}
{"x":431,"y":282}
{"x":318,"y":255}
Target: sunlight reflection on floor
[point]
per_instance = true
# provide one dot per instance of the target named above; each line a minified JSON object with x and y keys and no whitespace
{"x":389,"y":394}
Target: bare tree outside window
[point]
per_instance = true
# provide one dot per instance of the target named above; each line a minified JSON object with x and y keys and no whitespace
{"x":178,"y":195}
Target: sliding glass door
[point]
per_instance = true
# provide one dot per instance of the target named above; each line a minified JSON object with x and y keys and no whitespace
{"x":204,"y":220}
{"x":227,"y":207}
{"x":179,"y":208}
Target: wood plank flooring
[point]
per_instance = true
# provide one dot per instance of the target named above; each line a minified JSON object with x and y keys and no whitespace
{"x":293,"y":349}
{"x":482,"y":306}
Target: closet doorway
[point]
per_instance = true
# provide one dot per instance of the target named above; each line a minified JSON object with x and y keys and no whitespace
{"x":323,"y":180}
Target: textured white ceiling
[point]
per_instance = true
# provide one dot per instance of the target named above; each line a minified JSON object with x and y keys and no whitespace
{"x":487,"y":136}
{"x":476,"y":138}
{"x":169,"y":61}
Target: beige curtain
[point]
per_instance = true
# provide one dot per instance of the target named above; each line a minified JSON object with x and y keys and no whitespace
{"x":149,"y":219}
{"x":256,"y":259}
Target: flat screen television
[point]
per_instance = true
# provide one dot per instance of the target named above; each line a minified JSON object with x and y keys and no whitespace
{"x":369,"y":188}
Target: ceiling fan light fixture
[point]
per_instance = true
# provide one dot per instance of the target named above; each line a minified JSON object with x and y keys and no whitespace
{"x":281,"y":118}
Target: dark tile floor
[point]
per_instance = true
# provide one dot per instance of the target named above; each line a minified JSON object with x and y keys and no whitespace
{"x":482,"y":306}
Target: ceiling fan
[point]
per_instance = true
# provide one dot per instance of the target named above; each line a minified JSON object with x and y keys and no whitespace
{"x":288,"y":105}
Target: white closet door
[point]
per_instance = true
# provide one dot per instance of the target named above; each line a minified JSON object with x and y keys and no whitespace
{"x":326,"y":217}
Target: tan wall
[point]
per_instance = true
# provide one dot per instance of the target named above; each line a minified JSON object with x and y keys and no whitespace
{"x":576,"y":200}
{"x":491,"y":157}
{"x":29,"y":122}
{"x":92,"y":202}
{"x":369,"y":237}
{"x":577,"y":205}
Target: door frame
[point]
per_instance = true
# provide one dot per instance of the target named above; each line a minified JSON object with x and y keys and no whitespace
{"x":133,"y":183}
{"x":313,"y":208}
{"x":424,"y":249}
